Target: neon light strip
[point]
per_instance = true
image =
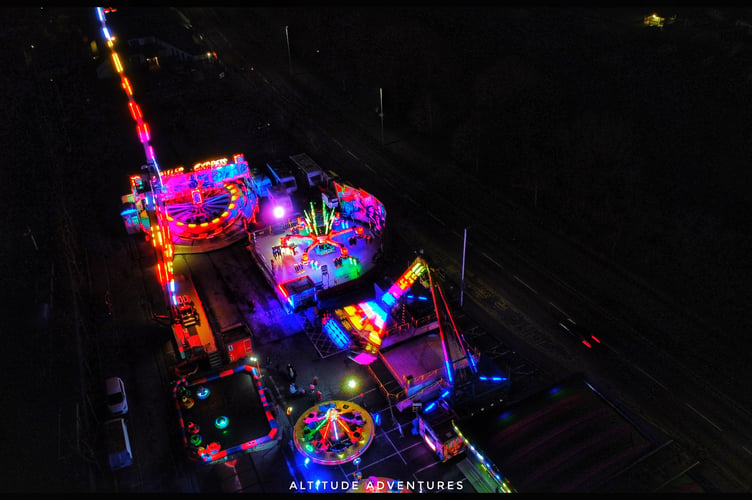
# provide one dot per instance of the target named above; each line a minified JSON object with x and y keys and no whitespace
{"x":468,"y":355}
{"x":447,"y":361}
{"x":165,"y":242}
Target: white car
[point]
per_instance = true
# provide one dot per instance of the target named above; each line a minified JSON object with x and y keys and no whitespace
{"x":117,"y":401}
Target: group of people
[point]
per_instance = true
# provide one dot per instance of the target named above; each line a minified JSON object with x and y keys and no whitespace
{"x":295,"y":390}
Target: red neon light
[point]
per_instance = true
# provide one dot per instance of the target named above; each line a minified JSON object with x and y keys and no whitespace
{"x":249,"y":444}
{"x":126,"y":86}
{"x":135,"y":110}
{"x":143,"y":132}
{"x":161,"y":274}
{"x":204,"y":165}
{"x":172,"y":171}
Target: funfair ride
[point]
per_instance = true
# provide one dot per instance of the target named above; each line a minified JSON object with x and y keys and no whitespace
{"x":368,"y":327}
{"x":181,"y":211}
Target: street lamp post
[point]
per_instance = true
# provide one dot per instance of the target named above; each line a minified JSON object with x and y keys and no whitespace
{"x":289,"y":57}
{"x":381,"y":113}
{"x":462,"y":278}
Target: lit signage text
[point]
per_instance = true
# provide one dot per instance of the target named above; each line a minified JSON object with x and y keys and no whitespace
{"x":204,"y":165}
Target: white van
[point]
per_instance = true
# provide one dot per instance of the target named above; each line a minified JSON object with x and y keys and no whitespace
{"x":118,"y":443}
{"x":283,"y":174}
{"x":310,"y":174}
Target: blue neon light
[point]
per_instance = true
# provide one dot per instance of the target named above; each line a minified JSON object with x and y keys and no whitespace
{"x":335,"y":332}
{"x":388,"y":299}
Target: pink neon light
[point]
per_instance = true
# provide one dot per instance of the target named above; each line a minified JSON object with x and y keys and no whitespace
{"x":143,"y":132}
{"x":429,"y":442}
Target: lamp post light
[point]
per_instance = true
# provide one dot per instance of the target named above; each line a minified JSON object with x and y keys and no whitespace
{"x":462,"y":278}
{"x":381,"y":113}
{"x":289,"y":57}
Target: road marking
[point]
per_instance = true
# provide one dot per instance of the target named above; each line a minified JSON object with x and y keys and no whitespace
{"x":703,"y":416}
{"x":651,"y":378}
{"x":746,"y":449}
{"x":484,"y":254}
{"x":352,"y":154}
{"x":500,"y":305}
{"x":335,"y":141}
{"x":394,"y":421}
{"x":436,"y":219}
{"x":369,"y":168}
{"x":414,"y":202}
{"x":528,"y":286}
{"x":557,"y":308}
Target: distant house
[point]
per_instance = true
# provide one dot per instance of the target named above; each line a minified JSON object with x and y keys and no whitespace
{"x":653,"y":20}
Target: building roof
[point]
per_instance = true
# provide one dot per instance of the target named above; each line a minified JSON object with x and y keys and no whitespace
{"x":567,"y":438}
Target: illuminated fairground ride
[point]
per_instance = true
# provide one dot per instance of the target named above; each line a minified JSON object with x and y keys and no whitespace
{"x":368,"y":328}
{"x":207,"y":201}
{"x":176,"y":209}
{"x":216,"y":428}
{"x":333,"y":432}
{"x":321,"y":249}
{"x":419,"y":358}
{"x":365,"y":327}
{"x":315,"y":231}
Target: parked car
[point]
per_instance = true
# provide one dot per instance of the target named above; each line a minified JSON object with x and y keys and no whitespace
{"x":118,"y":443}
{"x":115,"y":397}
{"x":579,"y":332}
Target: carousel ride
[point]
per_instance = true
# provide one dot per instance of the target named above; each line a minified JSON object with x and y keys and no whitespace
{"x":333,"y":432}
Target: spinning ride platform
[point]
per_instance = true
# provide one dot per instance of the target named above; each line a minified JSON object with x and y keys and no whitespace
{"x":333,"y":432}
{"x":209,"y":214}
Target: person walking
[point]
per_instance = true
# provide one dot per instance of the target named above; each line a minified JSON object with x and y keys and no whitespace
{"x":291,"y":373}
